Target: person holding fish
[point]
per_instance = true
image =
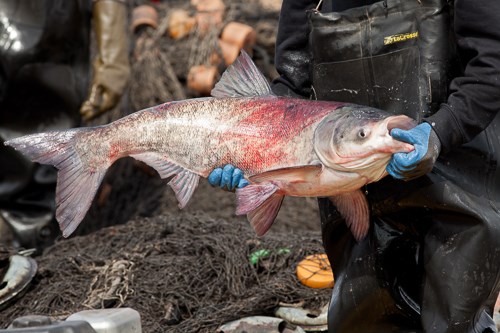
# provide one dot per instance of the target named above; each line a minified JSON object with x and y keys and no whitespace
{"x":431,"y":258}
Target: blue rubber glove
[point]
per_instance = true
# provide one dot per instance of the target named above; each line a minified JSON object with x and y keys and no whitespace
{"x":228,"y":178}
{"x":408,"y":166}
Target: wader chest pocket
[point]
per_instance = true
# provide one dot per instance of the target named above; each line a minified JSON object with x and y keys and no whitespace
{"x":386,"y":81}
{"x":386,"y":55}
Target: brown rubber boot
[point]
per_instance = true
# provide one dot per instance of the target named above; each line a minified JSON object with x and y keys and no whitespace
{"x":111,"y":66}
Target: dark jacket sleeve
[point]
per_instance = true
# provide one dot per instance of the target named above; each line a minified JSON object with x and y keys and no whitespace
{"x":292,"y":57}
{"x":475,"y":96}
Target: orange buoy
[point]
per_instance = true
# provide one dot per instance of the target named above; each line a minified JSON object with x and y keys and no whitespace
{"x":229,"y":53}
{"x":239,"y":34}
{"x":144,"y":15}
{"x":202,"y":78}
{"x":180,"y":23}
{"x":315,"y":272}
{"x":209,"y":14}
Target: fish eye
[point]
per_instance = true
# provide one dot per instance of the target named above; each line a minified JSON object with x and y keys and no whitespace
{"x":362,"y":134}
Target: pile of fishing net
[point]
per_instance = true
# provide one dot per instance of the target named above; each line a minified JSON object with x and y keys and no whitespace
{"x":183,"y":272}
{"x":160,"y":65}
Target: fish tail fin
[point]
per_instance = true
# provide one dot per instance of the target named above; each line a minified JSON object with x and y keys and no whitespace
{"x":45,"y":148}
{"x":77,"y":183}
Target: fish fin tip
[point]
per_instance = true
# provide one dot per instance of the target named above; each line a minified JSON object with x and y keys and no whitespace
{"x":263,"y":217}
{"x":252,"y":196}
{"x":242,"y":79}
{"x":160,"y":163}
{"x":184,"y":184}
{"x":261,"y":203}
{"x":353,"y":207}
{"x":75,"y":192}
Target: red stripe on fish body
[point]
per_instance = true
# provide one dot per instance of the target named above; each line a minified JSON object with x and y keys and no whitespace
{"x":279,"y":133}
{"x":256,"y":134}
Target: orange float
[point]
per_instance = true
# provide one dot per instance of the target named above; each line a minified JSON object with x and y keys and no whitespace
{"x":180,"y":23}
{"x":202,"y":78}
{"x":229,"y":53}
{"x":209,"y":14}
{"x":144,"y":15}
{"x":239,"y":34}
{"x":315,"y":272}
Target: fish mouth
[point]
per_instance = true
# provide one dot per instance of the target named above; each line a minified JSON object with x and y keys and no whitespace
{"x":392,"y":146}
{"x":401,"y":121}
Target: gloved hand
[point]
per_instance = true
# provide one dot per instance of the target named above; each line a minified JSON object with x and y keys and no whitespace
{"x":111,"y":66}
{"x":408,"y":166}
{"x":228,"y":178}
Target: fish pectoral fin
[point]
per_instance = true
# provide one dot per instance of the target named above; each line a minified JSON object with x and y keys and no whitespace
{"x":291,"y":174}
{"x":184,"y":183}
{"x":353,"y":206}
{"x":261,"y":203}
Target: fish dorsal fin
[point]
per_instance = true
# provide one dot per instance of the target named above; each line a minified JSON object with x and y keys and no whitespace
{"x":242,"y":78}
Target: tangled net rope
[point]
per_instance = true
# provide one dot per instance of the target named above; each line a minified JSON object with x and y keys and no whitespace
{"x":183,"y":273}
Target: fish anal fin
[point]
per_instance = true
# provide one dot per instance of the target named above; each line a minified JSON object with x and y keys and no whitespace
{"x":184,"y":184}
{"x":252,"y":196}
{"x":353,"y":206}
{"x":159,"y":162}
{"x":242,"y":78}
{"x":263,"y":217}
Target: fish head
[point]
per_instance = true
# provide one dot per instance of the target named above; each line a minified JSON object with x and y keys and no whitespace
{"x":356,"y":138}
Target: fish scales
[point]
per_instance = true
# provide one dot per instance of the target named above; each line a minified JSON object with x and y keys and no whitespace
{"x":285,"y":146}
{"x":269,"y":133}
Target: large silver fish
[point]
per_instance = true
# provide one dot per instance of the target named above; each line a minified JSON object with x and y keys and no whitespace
{"x":285,"y":146}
